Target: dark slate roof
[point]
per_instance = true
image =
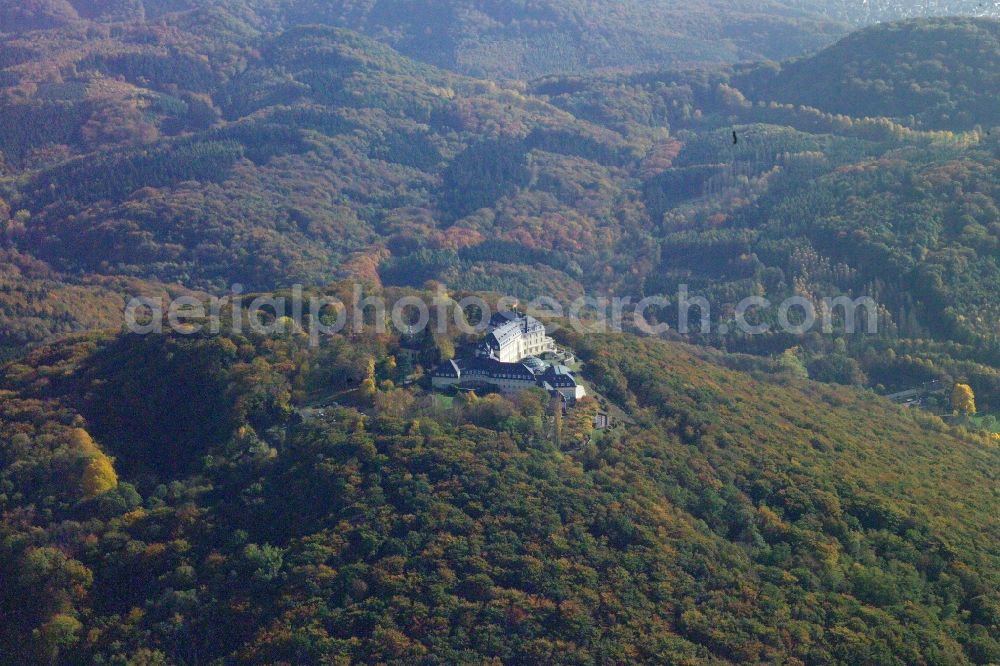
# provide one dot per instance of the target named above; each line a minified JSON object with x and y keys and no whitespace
{"x":503,"y":336}
{"x":493,"y":368}
{"x":554,"y":378}
{"x":558,"y":376}
{"x":448,"y":369}
{"x":501,"y":318}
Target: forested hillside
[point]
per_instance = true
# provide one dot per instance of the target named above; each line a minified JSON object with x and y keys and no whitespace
{"x":817,"y":202}
{"x":199,"y":151}
{"x":253,"y":499}
{"x":507,"y":38}
{"x":937,"y":74}
{"x":740,"y":519}
{"x":517,"y":39}
{"x":322,"y":156}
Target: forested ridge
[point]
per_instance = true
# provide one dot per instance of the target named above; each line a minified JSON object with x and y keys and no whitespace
{"x":743,"y":516}
{"x":517,"y":39}
{"x":506,"y":38}
{"x":938,"y":74}
{"x":176,"y":499}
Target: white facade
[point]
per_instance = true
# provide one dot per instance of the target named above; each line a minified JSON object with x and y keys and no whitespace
{"x":504,"y":361}
{"x":505,"y":377}
{"x":559,"y":378}
{"x":512,"y":337}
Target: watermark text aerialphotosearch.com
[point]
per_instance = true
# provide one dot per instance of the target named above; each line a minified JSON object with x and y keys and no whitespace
{"x":325,"y":315}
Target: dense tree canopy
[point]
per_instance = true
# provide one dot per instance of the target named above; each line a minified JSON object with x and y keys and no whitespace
{"x":403,"y":529}
{"x":171,"y":499}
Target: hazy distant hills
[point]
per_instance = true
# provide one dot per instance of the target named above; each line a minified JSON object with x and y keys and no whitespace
{"x":514,"y":38}
{"x":508,"y":38}
{"x":941,"y":74}
{"x":524,"y":39}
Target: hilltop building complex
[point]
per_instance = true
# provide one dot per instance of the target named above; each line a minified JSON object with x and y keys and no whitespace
{"x":507,"y":360}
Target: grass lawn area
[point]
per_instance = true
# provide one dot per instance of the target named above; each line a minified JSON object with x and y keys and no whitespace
{"x":979,"y":418}
{"x":446,"y":401}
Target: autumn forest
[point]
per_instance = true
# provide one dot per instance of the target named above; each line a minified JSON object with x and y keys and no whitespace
{"x":719,"y":497}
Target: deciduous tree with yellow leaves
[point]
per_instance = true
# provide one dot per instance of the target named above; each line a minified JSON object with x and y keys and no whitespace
{"x":963,"y":400}
{"x":99,"y":473}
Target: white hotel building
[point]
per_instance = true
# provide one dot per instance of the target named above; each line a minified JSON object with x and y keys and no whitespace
{"x":505,"y":361}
